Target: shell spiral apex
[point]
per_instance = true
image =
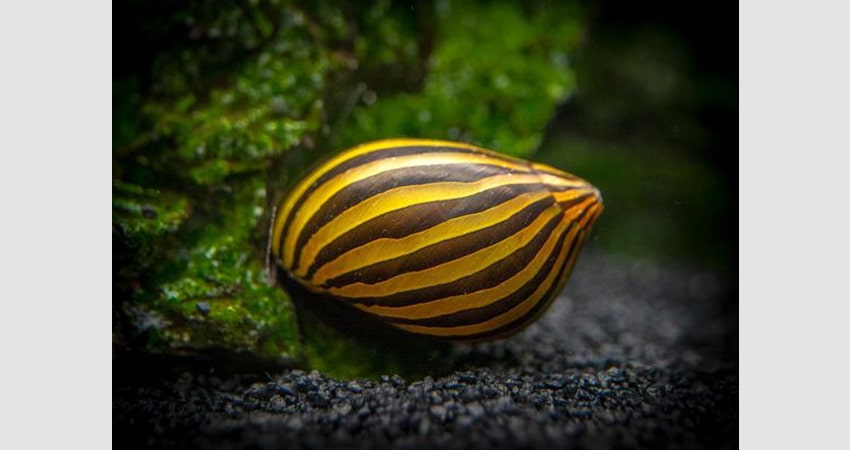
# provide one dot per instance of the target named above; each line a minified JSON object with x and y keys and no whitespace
{"x":434,"y":237}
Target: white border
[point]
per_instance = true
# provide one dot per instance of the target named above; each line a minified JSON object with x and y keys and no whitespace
{"x":55,"y":141}
{"x":794,"y":226}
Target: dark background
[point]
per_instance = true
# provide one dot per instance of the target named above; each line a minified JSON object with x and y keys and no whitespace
{"x":655,"y":125}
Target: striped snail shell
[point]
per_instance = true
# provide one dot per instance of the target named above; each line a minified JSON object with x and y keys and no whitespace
{"x":435,"y":237}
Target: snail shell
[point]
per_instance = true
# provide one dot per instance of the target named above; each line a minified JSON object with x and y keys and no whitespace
{"x":435,"y":237}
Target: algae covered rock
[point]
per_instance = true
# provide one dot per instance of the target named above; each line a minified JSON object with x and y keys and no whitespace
{"x":219,"y":107}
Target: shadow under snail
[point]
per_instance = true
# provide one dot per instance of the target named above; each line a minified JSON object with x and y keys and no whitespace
{"x":434,"y":237}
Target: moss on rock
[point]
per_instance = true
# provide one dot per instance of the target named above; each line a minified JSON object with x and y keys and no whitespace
{"x":496,"y":74}
{"x":228,"y":103}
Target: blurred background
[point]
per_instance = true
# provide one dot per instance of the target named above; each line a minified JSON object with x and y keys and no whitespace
{"x":654,"y":124}
{"x":218,"y":107}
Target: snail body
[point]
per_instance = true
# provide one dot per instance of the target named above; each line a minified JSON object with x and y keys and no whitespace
{"x":435,"y":237}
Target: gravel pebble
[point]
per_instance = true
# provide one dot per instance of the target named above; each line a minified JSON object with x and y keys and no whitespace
{"x":633,"y":355}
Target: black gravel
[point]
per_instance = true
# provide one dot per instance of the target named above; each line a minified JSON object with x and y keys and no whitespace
{"x":634,"y":355}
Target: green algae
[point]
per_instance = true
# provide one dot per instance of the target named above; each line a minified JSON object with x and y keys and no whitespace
{"x":496,"y":74}
{"x":235,"y":102}
{"x":201,"y":142}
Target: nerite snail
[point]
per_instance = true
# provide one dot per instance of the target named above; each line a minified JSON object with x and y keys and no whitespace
{"x":434,"y":237}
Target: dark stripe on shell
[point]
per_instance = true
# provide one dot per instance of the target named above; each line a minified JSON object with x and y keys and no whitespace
{"x":567,"y":204}
{"x":541,"y":306}
{"x":416,"y":218}
{"x":487,"y":277}
{"x":360,"y":160}
{"x":527,"y":318}
{"x":497,"y":307}
{"x":444,"y":251}
{"x":356,"y":192}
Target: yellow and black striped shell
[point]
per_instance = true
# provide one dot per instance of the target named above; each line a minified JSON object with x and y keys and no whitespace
{"x":434,"y":237}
